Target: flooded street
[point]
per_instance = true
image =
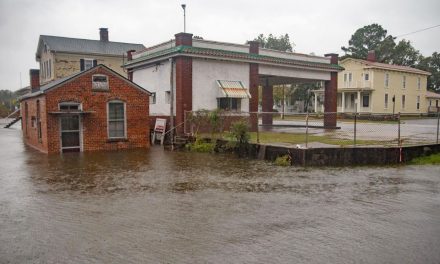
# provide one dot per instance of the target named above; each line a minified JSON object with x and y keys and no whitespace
{"x":153,"y":206}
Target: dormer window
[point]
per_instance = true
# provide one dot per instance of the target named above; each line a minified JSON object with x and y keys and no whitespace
{"x":86,"y":64}
{"x":99,"y":82}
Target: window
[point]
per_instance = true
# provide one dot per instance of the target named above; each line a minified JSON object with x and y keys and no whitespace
{"x":367,"y":76}
{"x":387,"y":80}
{"x":386,"y":101}
{"x":69,"y":106}
{"x":418,"y":102}
{"x":365,"y":100}
{"x":38,"y":121}
{"x":345,"y":77}
{"x":418,"y":83}
{"x":350,"y":77}
{"x":116,"y":119}
{"x":404,"y":82}
{"x":403,"y":101}
{"x":88,"y":64}
{"x":50,"y":68}
{"x":153,"y":98}
{"x":231,"y":104}
{"x":167,"y":97}
{"x":99,"y":82}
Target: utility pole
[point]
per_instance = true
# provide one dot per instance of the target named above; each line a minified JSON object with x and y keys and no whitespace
{"x":184,"y":17}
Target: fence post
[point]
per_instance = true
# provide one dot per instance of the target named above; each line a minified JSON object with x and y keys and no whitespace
{"x":355,"y":127}
{"x":398,"y":129}
{"x":438,"y":123}
{"x":258,"y":130}
{"x":307,"y":130}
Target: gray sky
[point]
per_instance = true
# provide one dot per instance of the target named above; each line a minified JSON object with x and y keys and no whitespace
{"x":315,"y":26}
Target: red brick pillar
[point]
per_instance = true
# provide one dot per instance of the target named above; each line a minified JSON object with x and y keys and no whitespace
{"x":183,"y":81}
{"x":253,"y":86}
{"x":129,"y":58}
{"x":267,"y":103}
{"x":34,"y":76}
{"x":330,"y":95}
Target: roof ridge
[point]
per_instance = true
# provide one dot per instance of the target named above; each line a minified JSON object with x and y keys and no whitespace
{"x":91,"y":40}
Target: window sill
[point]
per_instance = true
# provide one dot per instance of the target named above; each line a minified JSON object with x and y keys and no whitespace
{"x":112,"y":140}
{"x":100,"y":90}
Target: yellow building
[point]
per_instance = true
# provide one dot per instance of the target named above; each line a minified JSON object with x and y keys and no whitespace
{"x":367,"y":86}
{"x":60,"y":56}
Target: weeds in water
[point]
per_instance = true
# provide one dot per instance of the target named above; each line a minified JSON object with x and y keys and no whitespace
{"x":433,"y":159}
{"x":282,"y":160}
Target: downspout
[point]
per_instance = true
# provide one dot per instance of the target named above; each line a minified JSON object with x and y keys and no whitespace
{"x":172,"y":102}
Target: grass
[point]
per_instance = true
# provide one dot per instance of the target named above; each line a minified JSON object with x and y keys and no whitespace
{"x":433,"y":159}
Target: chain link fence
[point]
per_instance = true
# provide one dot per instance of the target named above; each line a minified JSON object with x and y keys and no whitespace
{"x":309,"y":130}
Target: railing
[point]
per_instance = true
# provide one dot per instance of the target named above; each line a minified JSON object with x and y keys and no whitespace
{"x":310,"y":130}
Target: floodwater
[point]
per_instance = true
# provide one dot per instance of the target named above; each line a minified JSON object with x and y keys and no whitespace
{"x":154,"y":206}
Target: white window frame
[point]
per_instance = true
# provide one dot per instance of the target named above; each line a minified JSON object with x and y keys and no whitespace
{"x":68,"y":103}
{"x":100,"y":88}
{"x":403,"y":101}
{"x":108,"y":119}
{"x":404,"y":82}
{"x":418,"y":83}
{"x":418,"y":103}
{"x":85,"y":63}
{"x":387,"y":80}
{"x":367,"y":76}
{"x":386,"y":101}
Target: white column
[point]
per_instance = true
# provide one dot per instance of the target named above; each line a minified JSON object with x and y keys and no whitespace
{"x":358,"y":101}
{"x":343,"y":102}
{"x":316,"y":103}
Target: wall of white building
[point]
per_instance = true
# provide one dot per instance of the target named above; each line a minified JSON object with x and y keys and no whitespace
{"x":156,"y":79}
{"x":293,"y":73}
{"x":205,"y":75}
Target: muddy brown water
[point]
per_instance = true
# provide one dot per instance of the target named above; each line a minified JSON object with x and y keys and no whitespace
{"x":154,"y":206}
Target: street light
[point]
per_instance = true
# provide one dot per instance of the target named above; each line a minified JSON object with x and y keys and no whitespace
{"x":184,"y":17}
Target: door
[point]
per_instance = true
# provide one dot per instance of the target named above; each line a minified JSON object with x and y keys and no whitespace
{"x":70,"y":133}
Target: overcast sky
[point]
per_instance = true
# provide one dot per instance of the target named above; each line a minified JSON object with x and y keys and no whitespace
{"x":314,"y":26}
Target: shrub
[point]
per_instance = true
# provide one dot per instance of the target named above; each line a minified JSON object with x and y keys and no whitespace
{"x":282,"y":160}
{"x":240,"y":132}
{"x":200,"y":146}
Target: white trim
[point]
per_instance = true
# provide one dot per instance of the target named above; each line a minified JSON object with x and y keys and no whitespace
{"x":125,"y":119}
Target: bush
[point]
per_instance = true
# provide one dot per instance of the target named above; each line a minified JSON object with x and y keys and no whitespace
{"x":283,"y":160}
{"x":240,"y":132}
{"x":200,"y":146}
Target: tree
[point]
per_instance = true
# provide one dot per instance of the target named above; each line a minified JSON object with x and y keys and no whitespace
{"x":281,"y":43}
{"x":432,"y":65}
{"x":370,"y":37}
{"x":405,"y":54}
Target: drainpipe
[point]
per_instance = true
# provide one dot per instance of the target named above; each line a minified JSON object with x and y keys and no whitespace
{"x":172,"y":103}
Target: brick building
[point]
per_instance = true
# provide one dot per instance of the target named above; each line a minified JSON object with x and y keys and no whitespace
{"x":189,"y":74}
{"x":96,"y":109}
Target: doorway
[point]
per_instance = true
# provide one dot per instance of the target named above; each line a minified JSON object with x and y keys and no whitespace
{"x":70,"y":133}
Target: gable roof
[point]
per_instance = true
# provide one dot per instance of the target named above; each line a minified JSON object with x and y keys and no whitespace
{"x":386,"y":66}
{"x":59,"y":82}
{"x":76,"y":45}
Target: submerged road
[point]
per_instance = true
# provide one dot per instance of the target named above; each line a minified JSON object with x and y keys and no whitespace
{"x":153,"y":206}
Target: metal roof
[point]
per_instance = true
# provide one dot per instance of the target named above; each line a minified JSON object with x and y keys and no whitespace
{"x":75,"y":45}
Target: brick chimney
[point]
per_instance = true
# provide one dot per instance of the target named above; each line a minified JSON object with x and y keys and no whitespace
{"x":334,"y":58}
{"x":371,"y":56}
{"x":34,"y":75}
{"x":183,"y":39}
{"x":103,"y":34}
{"x":130,"y":55}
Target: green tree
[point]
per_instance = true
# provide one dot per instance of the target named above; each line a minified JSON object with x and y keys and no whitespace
{"x":405,"y":54}
{"x":432,"y":65}
{"x":281,"y":43}
{"x":370,"y":37}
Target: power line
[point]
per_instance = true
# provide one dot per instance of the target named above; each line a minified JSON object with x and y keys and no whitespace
{"x":417,"y":31}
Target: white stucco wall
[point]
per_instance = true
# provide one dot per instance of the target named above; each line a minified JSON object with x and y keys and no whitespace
{"x":205,"y":75}
{"x":156,"y":79}
{"x":156,"y":48}
{"x":294,"y":73}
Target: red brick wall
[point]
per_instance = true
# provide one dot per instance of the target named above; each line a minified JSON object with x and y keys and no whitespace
{"x":30,"y":135}
{"x":94,"y":125}
{"x":183,"y":89}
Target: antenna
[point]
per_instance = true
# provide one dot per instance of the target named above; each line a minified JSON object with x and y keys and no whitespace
{"x":184,"y":17}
